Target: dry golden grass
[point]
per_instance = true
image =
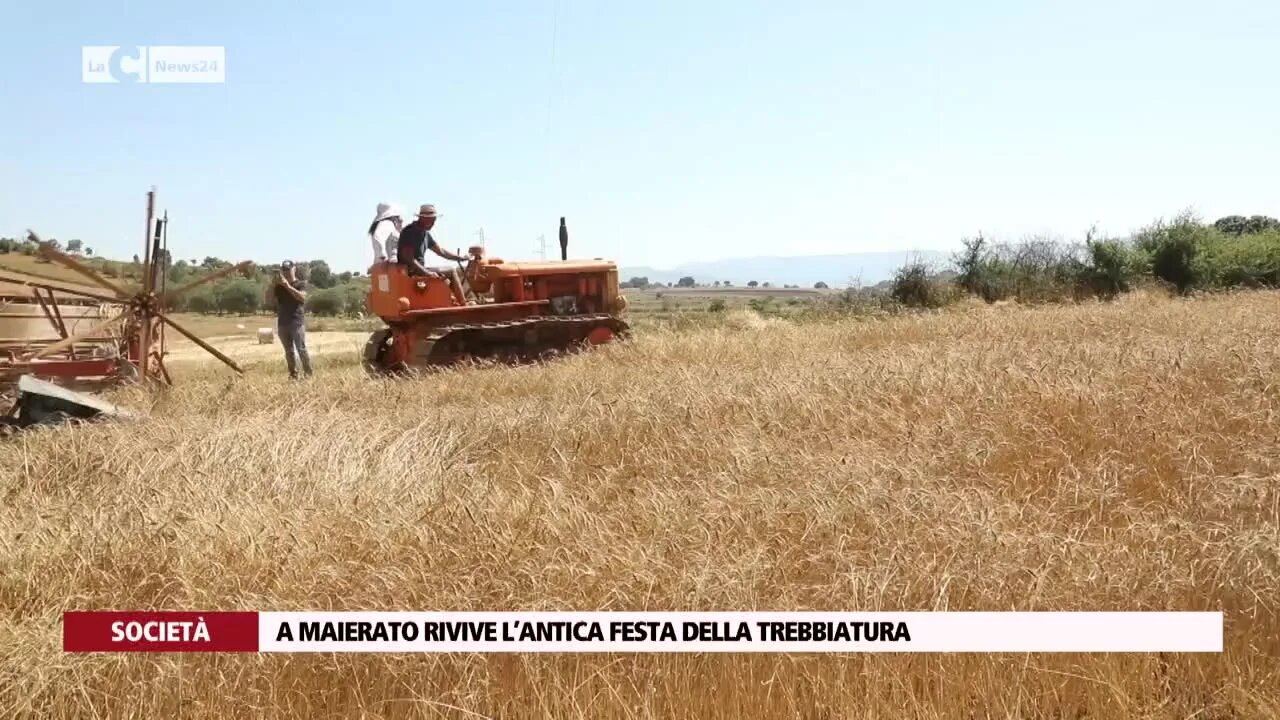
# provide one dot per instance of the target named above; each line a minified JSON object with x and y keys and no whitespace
{"x":1092,"y":458}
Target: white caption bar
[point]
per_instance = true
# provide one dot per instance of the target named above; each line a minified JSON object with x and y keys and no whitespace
{"x":782,"y":632}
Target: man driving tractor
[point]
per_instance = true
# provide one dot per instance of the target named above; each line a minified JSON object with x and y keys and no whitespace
{"x":415,"y":240}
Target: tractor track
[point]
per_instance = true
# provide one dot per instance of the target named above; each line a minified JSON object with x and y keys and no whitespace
{"x":523,"y":340}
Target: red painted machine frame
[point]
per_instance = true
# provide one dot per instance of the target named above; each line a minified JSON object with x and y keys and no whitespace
{"x":72,"y":363}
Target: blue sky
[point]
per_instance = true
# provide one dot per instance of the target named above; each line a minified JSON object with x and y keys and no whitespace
{"x":664,"y":131}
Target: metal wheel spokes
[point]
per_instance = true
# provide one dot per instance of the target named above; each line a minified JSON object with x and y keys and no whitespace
{"x":142,"y":306}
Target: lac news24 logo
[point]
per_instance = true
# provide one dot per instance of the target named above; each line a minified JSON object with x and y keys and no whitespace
{"x":153,"y":64}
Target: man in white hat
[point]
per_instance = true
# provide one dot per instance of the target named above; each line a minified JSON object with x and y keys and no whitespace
{"x":384,"y":232}
{"x":415,"y":240}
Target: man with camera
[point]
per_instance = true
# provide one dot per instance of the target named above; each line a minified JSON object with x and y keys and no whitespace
{"x":290,"y":295}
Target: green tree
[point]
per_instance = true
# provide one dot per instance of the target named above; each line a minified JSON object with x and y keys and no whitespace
{"x":820,"y":285}
{"x":1240,"y":225}
{"x":200,"y":300}
{"x":239,"y":296}
{"x":1260,"y":224}
{"x":1112,"y":268}
{"x":74,"y":246}
{"x":1232,"y":224}
{"x":686,"y":281}
{"x":319,"y":274}
{"x":328,"y":301}
{"x":1174,"y":248}
{"x":915,"y":285}
{"x":180,"y":271}
{"x":355,"y":297}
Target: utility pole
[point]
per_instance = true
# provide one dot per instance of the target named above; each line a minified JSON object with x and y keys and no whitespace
{"x":480,"y":232}
{"x":542,"y":247}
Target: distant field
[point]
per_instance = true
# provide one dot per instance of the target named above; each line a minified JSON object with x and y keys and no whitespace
{"x":713,"y":292}
{"x":667,"y":303}
{"x":645,"y":305}
{"x":26,"y":264}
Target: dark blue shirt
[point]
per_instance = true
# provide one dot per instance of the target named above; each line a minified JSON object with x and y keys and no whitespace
{"x":414,"y":241}
{"x":289,"y":308}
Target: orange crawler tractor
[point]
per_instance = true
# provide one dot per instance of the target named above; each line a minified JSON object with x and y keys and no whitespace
{"x":507,"y":311}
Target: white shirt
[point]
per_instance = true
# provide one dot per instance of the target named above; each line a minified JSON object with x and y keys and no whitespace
{"x":384,"y":238}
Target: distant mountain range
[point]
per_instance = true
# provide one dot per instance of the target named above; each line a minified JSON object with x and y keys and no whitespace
{"x":835,"y":270}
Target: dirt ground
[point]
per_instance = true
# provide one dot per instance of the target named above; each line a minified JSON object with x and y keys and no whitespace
{"x":246,"y":348}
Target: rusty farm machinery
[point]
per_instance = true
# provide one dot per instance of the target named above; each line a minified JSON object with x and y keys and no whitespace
{"x":125,"y":339}
{"x":493,"y":309}
{"x":507,"y":311}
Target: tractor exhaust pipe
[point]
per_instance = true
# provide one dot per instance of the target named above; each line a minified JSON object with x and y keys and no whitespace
{"x":564,"y":241}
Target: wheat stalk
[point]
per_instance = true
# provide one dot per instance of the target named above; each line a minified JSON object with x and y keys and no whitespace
{"x":1102,"y":456}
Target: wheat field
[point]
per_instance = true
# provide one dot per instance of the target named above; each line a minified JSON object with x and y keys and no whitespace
{"x":1094,"y":457}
